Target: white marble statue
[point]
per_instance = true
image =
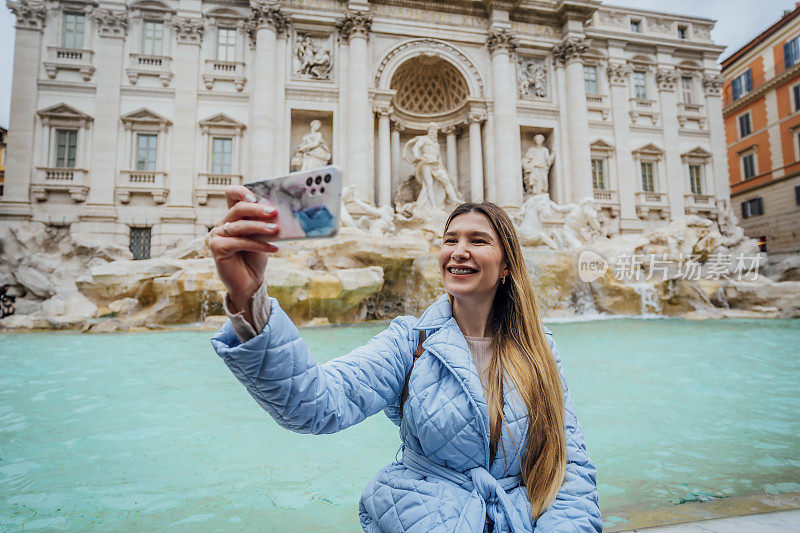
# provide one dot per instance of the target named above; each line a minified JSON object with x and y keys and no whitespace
{"x":314,"y":61}
{"x":534,"y":212}
{"x":532,"y":78}
{"x":580,"y":226}
{"x":313,"y":152}
{"x":436,"y":186}
{"x":583,"y":223}
{"x":536,"y":165}
{"x":733,"y":237}
{"x":378,"y":221}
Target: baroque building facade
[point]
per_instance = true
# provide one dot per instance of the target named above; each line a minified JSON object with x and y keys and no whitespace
{"x":129,"y":119}
{"x":762,"y":124}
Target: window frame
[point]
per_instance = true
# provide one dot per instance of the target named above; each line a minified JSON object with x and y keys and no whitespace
{"x":652,"y":165}
{"x":743,"y":165}
{"x":149,"y":164}
{"x":56,"y":146}
{"x":748,"y":205}
{"x":230,"y":47}
{"x":64,"y":29}
{"x":687,"y":90}
{"x":595,"y":81}
{"x":697,"y":179}
{"x":749,"y":121}
{"x":683,"y":32}
{"x":636,"y":25}
{"x":744,"y":83}
{"x":636,"y":86}
{"x":149,"y":233}
{"x":601,"y":166}
{"x":214,"y":152}
{"x":793,"y":46}
{"x":152,"y":40}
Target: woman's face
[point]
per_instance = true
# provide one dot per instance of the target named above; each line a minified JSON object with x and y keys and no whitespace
{"x":471,"y":258}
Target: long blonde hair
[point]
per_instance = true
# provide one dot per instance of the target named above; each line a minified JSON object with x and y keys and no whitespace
{"x":520,"y":351}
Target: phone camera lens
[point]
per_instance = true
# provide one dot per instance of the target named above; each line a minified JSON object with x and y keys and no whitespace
{"x":327,"y":178}
{"x":310,"y":182}
{"x":321,"y":190}
{"x":313,"y":191}
{"x":318,"y":180}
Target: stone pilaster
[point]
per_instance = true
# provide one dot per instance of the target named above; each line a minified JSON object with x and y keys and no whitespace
{"x":354,"y":29}
{"x":667,"y":81}
{"x":15,"y":202}
{"x":395,"y":142}
{"x":475,"y":157}
{"x":569,"y":54}
{"x":712,"y":86}
{"x":112,"y":28}
{"x":507,"y":157}
{"x":384,"y":156}
{"x":618,"y":75}
{"x":265,"y":24}
{"x":452,"y":154}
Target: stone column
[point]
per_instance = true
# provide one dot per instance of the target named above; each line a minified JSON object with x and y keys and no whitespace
{"x":21,"y":133}
{"x":475,"y":158}
{"x":508,"y":170}
{"x":452,"y":155}
{"x":384,"y":156}
{"x":627,"y":183}
{"x":396,"y":129}
{"x":667,"y":80}
{"x":182,"y":171}
{"x":266,"y":23}
{"x":354,"y":29}
{"x":569,"y":53}
{"x":712,"y":85}
{"x":280,"y":127}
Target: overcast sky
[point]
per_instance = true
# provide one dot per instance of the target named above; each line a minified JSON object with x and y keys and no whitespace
{"x":737,"y":22}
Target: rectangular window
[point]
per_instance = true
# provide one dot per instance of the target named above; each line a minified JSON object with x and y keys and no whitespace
{"x":73,"y":30}
{"x":66,"y":148}
{"x":153,"y":36}
{"x":796,"y":97}
{"x":682,"y":32}
{"x":752,"y":208}
{"x":146,"y":151}
{"x":742,"y":84}
{"x":648,"y":176}
{"x":696,"y":179}
{"x":226,"y":44}
{"x":745,"y":128}
{"x":639,"y":85}
{"x":590,"y":79}
{"x":686,"y":90}
{"x":749,"y":165}
{"x":221,"y":156}
{"x":636,"y":26}
{"x":797,"y":195}
{"x":791,"y":53}
{"x":598,"y":174}
{"x":140,"y":243}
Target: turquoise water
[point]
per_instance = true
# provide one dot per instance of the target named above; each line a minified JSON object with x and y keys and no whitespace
{"x":148,"y":431}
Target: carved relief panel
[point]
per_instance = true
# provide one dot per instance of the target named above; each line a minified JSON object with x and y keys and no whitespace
{"x":312,"y":55}
{"x":533,"y":77}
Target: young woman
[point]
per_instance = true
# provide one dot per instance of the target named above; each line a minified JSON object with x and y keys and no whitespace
{"x":490,"y":437}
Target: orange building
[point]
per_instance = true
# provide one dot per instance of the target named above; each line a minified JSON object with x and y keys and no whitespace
{"x":761,"y":108}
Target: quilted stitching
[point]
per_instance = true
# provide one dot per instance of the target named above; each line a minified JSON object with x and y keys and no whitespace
{"x":446,"y":419}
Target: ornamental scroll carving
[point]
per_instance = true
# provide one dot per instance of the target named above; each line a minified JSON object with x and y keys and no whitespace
{"x":666,"y":79}
{"x":263,"y":14}
{"x":111,"y":23}
{"x":501,"y":40}
{"x":354,"y":24}
{"x":29,"y":16}
{"x":618,"y":74}
{"x":532,"y":78}
{"x":188,"y":31}
{"x":712,"y":84}
{"x":571,"y":49}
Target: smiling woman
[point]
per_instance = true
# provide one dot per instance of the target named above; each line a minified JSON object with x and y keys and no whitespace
{"x":477,"y":378}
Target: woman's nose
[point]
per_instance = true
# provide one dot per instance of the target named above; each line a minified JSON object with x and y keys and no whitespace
{"x":460,"y":252}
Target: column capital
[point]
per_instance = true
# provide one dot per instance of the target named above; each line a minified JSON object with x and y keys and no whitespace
{"x":396,"y":125}
{"x":30,"y":16}
{"x":264,"y":15}
{"x":384,"y":110}
{"x":188,"y":30}
{"x":111,"y":23}
{"x":571,"y":49}
{"x":618,"y":74}
{"x":476,"y":117}
{"x":712,"y":84}
{"x":501,"y":40}
{"x":354,"y":24}
{"x":451,"y":129}
{"x":667,"y":79}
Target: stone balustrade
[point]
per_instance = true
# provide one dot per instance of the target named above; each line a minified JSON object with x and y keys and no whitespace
{"x":691,"y":112}
{"x":598,"y":103}
{"x":640,"y":107}
{"x":148,"y":65}
{"x":607,"y":199}
{"x":50,"y":179}
{"x":699,"y":204}
{"x":79,"y":60}
{"x":153,"y":182}
{"x":231,"y":71}
{"x":652,"y":201}
{"x":210,"y":184}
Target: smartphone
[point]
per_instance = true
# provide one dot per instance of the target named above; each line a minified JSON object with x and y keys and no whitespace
{"x":308,"y":202}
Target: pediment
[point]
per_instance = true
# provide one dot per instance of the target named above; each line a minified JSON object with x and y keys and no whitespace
{"x":601,"y":145}
{"x":64,"y":112}
{"x":697,"y":153}
{"x":151,"y":5}
{"x":221,"y":120}
{"x":144,"y":116}
{"x":649,"y":149}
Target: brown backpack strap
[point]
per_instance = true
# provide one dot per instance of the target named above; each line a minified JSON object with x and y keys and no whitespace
{"x":420,"y":349}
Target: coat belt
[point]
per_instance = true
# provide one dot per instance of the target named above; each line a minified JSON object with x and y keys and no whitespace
{"x":477,"y":480}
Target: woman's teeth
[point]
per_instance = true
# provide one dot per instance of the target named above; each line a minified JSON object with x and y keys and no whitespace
{"x":461,"y":270}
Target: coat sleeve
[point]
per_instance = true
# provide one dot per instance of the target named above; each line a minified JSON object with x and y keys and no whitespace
{"x":575,"y":508}
{"x":280,"y":374}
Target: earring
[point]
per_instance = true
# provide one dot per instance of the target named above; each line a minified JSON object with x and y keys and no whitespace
{"x":503,"y":280}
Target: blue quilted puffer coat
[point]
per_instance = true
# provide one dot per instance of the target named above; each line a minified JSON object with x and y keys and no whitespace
{"x":444,"y":482}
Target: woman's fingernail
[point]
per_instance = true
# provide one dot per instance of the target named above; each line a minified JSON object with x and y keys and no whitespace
{"x":271,"y":226}
{"x":269,"y":210}
{"x":249,"y":198}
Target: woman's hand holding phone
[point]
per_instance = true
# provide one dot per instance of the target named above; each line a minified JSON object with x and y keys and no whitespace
{"x":238,"y":246}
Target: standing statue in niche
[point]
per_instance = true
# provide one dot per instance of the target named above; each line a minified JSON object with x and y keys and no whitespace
{"x":536,"y":165}
{"x":436,"y":186}
{"x":313,"y":152}
{"x":315,"y":61}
